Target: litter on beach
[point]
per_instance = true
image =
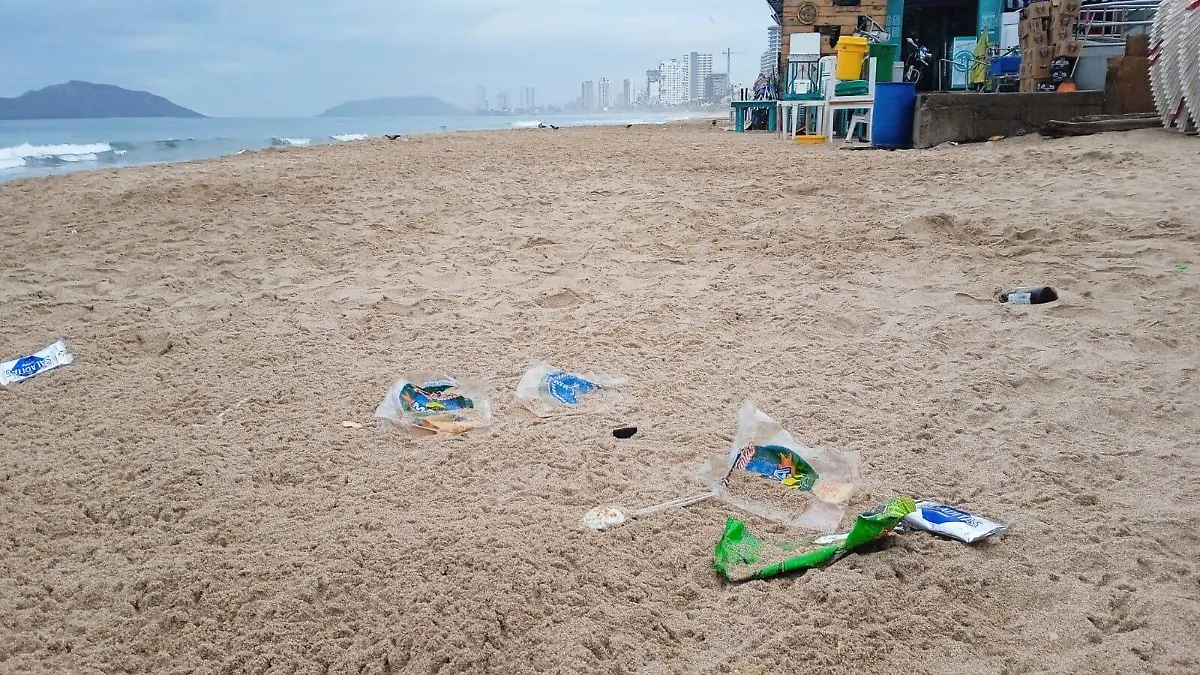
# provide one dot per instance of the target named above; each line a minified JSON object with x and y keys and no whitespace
{"x":768,"y":473}
{"x":741,"y":556}
{"x":438,"y":404}
{"x":948,"y":521}
{"x":25,"y":367}
{"x":604,"y":517}
{"x":625,"y":432}
{"x":548,"y":391}
{"x":811,"y":485}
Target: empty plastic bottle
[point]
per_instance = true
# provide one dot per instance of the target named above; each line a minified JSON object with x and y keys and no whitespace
{"x":1039,"y":295}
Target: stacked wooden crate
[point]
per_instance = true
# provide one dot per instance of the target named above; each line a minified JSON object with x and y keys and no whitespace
{"x":1049,"y":48}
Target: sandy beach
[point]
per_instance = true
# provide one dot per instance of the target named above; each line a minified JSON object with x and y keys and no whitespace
{"x":185,"y":497}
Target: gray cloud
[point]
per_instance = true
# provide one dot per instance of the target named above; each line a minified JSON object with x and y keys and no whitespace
{"x":273,"y":57}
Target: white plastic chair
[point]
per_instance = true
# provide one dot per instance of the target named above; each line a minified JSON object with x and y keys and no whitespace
{"x":793,"y":114}
{"x":865,"y":102}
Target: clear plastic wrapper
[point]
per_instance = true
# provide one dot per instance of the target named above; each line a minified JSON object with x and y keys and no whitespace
{"x":436,"y":404}
{"x":548,"y":391}
{"x":819,"y":481}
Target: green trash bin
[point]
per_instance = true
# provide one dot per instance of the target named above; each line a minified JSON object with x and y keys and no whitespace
{"x":885,"y":60}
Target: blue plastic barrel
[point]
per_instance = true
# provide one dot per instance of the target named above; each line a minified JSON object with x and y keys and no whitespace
{"x":894,"y":104}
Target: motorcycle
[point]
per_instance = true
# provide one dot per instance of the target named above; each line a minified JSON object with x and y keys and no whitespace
{"x":917,"y":63}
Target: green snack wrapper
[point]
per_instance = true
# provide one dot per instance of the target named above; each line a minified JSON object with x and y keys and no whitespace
{"x":739,"y":554}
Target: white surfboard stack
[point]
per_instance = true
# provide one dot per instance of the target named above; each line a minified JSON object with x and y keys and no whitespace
{"x":1175,"y":63}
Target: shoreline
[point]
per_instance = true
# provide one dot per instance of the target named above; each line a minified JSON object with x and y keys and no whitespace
{"x":75,"y":157}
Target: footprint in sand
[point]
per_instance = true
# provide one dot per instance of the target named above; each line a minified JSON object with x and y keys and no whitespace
{"x":560,"y":300}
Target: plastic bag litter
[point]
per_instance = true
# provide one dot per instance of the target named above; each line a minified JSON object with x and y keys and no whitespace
{"x":765,"y":448}
{"x":548,"y":391}
{"x":740,"y":556}
{"x":436,"y":404}
{"x":25,"y":367}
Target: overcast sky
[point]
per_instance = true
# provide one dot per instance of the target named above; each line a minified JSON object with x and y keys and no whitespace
{"x":299,"y":57}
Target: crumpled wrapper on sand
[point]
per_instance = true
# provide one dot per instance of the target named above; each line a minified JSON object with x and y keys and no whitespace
{"x":436,"y":404}
{"x":818,"y":481}
{"x":548,"y":391}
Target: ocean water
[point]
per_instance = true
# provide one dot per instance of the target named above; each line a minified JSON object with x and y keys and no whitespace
{"x":45,"y":147}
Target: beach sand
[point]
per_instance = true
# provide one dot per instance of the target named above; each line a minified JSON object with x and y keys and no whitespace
{"x":185,"y":498}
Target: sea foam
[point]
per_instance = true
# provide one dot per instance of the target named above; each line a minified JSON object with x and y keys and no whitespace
{"x":291,"y":141}
{"x":15,"y":156}
{"x":342,"y":138}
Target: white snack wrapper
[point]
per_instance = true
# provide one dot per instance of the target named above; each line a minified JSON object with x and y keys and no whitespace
{"x":955,"y":523}
{"x":26,"y":367}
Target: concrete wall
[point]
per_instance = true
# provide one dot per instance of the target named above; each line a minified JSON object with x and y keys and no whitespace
{"x":966,"y":116}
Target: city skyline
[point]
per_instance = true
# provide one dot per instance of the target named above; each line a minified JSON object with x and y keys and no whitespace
{"x":690,"y":78}
{"x":687,"y":79}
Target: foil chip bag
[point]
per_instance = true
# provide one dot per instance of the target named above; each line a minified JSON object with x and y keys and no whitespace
{"x":741,"y":556}
{"x":948,"y":521}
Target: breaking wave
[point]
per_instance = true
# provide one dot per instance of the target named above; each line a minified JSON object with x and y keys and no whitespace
{"x":526,"y":124}
{"x":278,"y":142}
{"x":342,"y":138}
{"x":22,"y":155}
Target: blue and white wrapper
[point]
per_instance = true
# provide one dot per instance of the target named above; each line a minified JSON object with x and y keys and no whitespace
{"x":26,"y":367}
{"x":955,"y":523}
{"x":548,"y":391}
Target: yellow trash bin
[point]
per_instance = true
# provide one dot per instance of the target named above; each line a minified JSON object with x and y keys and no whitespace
{"x":850,"y":54}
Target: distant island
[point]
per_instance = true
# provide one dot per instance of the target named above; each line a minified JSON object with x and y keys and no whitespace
{"x":396,"y":106}
{"x":84,"y":100}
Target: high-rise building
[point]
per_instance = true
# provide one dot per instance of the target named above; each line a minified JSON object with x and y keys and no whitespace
{"x":770,"y":58}
{"x":482,"y":102}
{"x":605,"y":93}
{"x":699,"y":67}
{"x":502,"y":100}
{"x":525,"y":99}
{"x":673,"y":82}
{"x":587,"y":98}
{"x":717,"y":86}
{"x":651,"y":93}
{"x":627,"y":93}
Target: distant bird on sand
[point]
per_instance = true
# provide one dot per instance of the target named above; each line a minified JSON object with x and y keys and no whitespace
{"x":542,"y":126}
{"x":628,"y":126}
{"x":554,"y":127}
{"x":392,"y":137}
